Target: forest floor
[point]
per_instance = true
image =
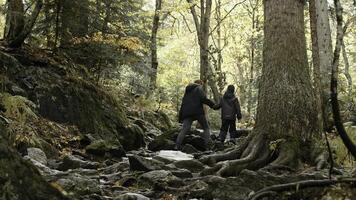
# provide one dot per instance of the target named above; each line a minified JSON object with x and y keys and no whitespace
{"x":89,"y":145}
{"x":168,"y":174}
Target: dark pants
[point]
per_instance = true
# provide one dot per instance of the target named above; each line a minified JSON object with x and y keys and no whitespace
{"x":187,"y":123}
{"x":228,"y":125}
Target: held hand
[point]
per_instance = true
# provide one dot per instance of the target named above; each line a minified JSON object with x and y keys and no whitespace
{"x":215,"y":107}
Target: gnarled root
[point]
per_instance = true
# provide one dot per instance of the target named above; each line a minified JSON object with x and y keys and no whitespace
{"x":257,"y":158}
{"x":256,"y":155}
{"x":235,"y":153}
{"x":287,"y":156}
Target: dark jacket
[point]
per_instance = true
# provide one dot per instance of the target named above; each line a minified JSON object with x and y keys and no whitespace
{"x":193,"y":100}
{"x":230,"y":107}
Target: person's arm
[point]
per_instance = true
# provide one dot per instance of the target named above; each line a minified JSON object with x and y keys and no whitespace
{"x":217,"y":106}
{"x":204,"y":99}
{"x":238,"y":109}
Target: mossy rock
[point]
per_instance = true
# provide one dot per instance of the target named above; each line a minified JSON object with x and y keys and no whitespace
{"x":63,"y":96}
{"x":24,"y":183}
{"x":102,"y":148}
{"x":18,"y":107}
{"x":166,"y":141}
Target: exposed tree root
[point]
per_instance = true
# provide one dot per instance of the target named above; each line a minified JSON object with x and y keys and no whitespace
{"x":235,"y":153}
{"x":271,"y":190}
{"x":255,"y":156}
{"x":287,"y":156}
{"x":258,"y":157}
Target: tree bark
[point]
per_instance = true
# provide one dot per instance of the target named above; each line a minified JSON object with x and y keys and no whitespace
{"x":220,"y":75}
{"x":322,"y":57}
{"x":334,"y":80}
{"x":74,"y":20}
{"x":347,"y":69}
{"x":154,"y":59}
{"x":15,"y":19}
{"x":203,"y":34}
{"x":285,"y":104}
{"x":20,"y":38}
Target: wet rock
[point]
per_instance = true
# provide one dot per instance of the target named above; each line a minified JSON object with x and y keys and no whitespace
{"x":37,"y":155}
{"x":161,"y":144}
{"x":171,"y":156}
{"x":138,"y":163}
{"x":45,"y":171}
{"x":199,"y":190}
{"x":132,"y":138}
{"x":117,"y":167}
{"x":166,"y":141}
{"x":196,"y":141}
{"x":79,"y":185}
{"x":127,"y":181}
{"x":160,"y":177}
{"x":189,"y":149}
{"x":131,"y":196}
{"x":74,"y":162}
{"x":191,"y":165}
{"x":102,"y":148}
{"x":182,"y":173}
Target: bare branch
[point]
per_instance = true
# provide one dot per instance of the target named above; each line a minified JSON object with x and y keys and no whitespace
{"x":227,"y":14}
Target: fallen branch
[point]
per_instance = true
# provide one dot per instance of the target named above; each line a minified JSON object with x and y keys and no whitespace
{"x":298,"y":185}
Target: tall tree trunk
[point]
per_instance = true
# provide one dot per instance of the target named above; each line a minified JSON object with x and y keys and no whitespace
{"x":74,"y":20}
{"x":347,"y":69}
{"x":252,"y":58}
{"x":21,"y":37}
{"x":58,"y":11}
{"x":285,"y":105}
{"x":15,"y":19}
{"x":154,"y":59}
{"x":48,"y":28}
{"x":322,"y":57}
{"x":334,"y":80}
{"x":17,"y":29}
{"x":107,"y":18}
{"x":203,"y":33}
{"x":220,"y":75}
{"x":204,"y":41}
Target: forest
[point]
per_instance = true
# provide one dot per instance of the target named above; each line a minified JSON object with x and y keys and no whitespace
{"x":177,"y":99}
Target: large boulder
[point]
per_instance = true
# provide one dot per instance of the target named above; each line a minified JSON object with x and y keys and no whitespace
{"x":64,"y":96}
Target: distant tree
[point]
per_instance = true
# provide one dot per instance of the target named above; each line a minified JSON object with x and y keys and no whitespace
{"x":74,"y":20}
{"x":154,"y":59}
{"x":202,"y":26}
